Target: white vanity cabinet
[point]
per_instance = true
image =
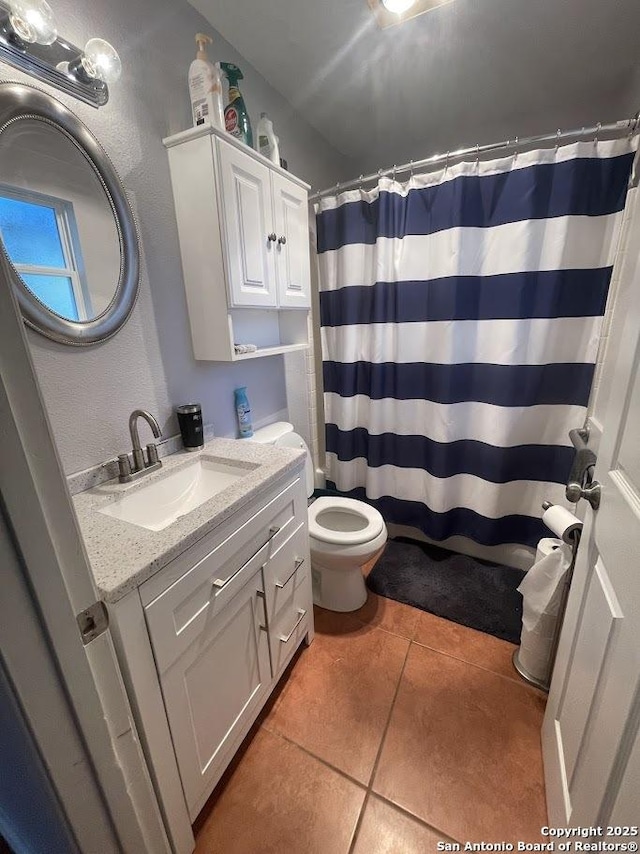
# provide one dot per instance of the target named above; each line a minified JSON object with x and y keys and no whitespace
{"x":243,"y":225}
{"x":203,"y":642}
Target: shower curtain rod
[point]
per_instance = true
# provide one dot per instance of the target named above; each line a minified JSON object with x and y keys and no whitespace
{"x":630,"y":126}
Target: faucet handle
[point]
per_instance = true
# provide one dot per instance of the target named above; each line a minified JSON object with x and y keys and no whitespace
{"x":152,"y":454}
{"x":124,"y":467}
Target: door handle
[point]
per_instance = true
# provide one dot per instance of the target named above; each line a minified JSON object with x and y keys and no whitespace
{"x":593,"y":493}
{"x":272,"y":237}
{"x":282,"y":240}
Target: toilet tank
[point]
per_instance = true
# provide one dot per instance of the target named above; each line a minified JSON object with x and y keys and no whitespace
{"x":270,"y":434}
{"x":281,"y":435}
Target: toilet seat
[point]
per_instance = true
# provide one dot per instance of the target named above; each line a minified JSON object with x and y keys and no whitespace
{"x":368,"y":526}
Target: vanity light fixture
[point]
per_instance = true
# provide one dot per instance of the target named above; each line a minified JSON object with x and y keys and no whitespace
{"x":32,"y":21}
{"x":99,"y":61}
{"x":29,"y":41}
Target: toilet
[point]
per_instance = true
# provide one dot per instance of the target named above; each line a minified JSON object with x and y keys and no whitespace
{"x":344,"y":534}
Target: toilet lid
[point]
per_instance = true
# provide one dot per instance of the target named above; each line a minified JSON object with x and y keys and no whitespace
{"x":343,"y":521}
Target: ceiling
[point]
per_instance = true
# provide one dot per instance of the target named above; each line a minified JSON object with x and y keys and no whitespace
{"x":469,"y":71}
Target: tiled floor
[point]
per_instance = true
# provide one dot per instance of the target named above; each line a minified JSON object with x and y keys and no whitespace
{"x":393,"y":730}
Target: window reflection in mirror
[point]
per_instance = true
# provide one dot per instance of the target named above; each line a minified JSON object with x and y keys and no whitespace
{"x":41,"y":237}
{"x":56,"y":221}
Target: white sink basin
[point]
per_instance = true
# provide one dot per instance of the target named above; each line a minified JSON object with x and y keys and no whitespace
{"x":159,"y":503}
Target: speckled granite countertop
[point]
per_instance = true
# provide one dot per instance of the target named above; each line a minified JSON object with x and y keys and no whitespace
{"x":123,"y":556}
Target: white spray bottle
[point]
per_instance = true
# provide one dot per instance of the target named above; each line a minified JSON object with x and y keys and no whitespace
{"x":205,"y":87}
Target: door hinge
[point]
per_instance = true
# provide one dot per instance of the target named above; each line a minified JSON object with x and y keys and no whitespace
{"x":93,"y":621}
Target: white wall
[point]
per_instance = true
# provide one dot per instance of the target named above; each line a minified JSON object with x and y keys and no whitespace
{"x":90,"y":392}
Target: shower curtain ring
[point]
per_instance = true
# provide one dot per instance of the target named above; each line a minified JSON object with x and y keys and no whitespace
{"x":411,"y":169}
{"x":394,"y":171}
{"x":558,"y":135}
{"x":360,"y":179}
{"x":478,"y":153}
{"x":598,"y":129}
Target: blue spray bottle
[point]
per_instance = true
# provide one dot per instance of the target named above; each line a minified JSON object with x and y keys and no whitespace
{"x":243,"y":411}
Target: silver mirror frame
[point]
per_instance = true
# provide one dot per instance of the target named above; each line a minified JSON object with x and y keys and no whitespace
{"x":17,"y":102}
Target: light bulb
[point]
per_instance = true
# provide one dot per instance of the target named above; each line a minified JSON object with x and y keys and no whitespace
{"x":33,"y":21}
{"x":101,"y":61}
{"x":398,"y":6}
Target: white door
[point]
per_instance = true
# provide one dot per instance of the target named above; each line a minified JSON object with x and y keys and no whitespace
{"x":590,"y":733}
{"x":249,"y":236}
{"x":75,"y":704}
{"x":292,"y":246}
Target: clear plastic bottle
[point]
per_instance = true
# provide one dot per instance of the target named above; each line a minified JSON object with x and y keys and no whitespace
{"x":243,"y":411}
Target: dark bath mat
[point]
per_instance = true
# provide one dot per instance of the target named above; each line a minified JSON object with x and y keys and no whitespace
{"x":463,"y":589}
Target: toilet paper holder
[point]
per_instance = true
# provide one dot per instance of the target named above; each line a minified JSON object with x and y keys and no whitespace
{"x":574,"y":542}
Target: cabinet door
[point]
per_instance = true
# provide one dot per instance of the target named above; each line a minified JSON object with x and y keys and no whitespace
{"x":214,"y":689}
{"x":292,"y":246}
{"x":249,"y":235}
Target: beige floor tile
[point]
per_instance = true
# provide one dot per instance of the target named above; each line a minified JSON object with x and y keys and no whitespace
{"x":389,"y":615}
{"x":337,"y":700}
{"x":466,"y":644}
{"x":462,"y":751}
{"x":280,"y":799}
{"x":386,"y":830}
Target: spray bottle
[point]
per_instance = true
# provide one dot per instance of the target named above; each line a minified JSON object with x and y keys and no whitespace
{"x":205,"y":87}
{"x":236,"y":117}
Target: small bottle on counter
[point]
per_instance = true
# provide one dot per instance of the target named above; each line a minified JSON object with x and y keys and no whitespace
{"x":243,"y":411}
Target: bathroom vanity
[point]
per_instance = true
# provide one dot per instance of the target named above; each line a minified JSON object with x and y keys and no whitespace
{"x":206,"y":608}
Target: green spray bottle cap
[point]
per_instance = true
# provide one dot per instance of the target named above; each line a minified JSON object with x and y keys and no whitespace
{"x":232,"y":72}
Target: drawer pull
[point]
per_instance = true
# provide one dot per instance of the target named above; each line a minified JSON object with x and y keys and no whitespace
{"x":297,"y":565}
{"x":301,"y":615}
{"x":221,"y":582}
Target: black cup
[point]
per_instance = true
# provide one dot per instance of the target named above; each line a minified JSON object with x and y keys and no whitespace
{"x":190,"y":421}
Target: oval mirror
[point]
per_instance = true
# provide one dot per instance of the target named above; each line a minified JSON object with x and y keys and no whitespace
{"x":65,"y":223}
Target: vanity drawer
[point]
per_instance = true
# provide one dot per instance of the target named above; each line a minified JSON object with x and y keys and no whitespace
{"x":238,"y":538}
{"x":182,"y":613}
{"x":291,"y":624}
{"x":287,"y":564}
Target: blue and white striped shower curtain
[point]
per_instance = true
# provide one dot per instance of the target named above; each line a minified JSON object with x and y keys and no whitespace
{"x":461,"y":315}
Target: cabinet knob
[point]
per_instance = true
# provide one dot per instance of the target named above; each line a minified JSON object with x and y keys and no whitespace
{"x":282,"y":240}
{"x":272,"y":237}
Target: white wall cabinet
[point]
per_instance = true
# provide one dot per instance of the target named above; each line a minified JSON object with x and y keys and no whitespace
{"x":204,"y":641}
{"x":243,"y":225}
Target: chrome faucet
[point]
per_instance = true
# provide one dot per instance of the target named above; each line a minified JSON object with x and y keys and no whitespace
{"x":140,"y":466}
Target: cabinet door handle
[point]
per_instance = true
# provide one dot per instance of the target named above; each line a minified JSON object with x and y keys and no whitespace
{"x":260,"y":595}
{"x":301,"y":615}
{"x":272,"y":237}
{"x":296,"y":567}
{"x":282,"y":240}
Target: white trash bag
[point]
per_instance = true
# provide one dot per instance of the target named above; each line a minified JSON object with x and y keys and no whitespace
{"x":541,"y":590}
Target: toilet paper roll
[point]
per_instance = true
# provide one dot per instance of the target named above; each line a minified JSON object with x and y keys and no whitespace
{"x":562,"y":522}
{"x":546,"y":546}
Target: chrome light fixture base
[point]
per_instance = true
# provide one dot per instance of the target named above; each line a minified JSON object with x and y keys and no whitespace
{"x":49,"y":63}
